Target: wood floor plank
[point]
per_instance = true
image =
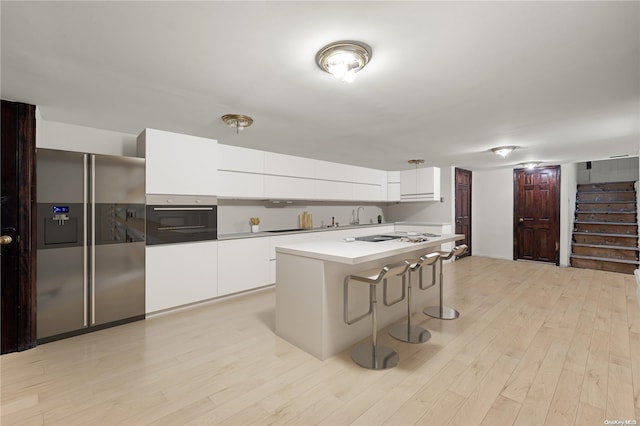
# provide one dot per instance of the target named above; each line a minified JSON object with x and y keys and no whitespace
{"x":563,"y":409}
{"x":534,"y":344}
{"x":538,"y":399}
{"x":481,"y":398}
{"x":594,"y":388}
{"x":503,"y":411}
{"x":634,"y":345}
{"x":589,"y":415}
{"x":620,"y":404}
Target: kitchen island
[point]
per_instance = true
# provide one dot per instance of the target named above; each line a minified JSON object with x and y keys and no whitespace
{"x":309,"y":289}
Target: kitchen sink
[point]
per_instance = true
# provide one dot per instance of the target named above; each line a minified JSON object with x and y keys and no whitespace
{"x":378,"y":238}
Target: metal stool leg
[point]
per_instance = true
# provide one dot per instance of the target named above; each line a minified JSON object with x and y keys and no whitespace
{"x":371,"y":355}
{"x":407,"y":332}
{"x":441,"y":312}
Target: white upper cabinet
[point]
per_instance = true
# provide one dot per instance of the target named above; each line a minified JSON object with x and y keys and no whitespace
{"x":234,"y":158}
{"x":420,"y":184}
{"x":326,"y":170}
{"x":179,"y":164}
{"x":288,"y":187}
{"x":369,"y":176}
{"x":393,"y":186}
{"x":289,"y":165}
{"x":333,"y":190}
{"x":240,"y":172}
{"x":250,"y":173}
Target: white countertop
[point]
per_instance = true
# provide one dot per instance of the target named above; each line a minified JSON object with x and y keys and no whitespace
{"x":360,"y":251}
{"x":239,"y":235}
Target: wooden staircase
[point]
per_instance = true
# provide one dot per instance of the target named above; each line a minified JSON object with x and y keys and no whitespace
{"x":605,"y":233}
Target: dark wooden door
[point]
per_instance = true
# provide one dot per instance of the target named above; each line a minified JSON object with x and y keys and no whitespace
{"x":463,"y":207}
{"x":536,"y":215}
{"x":17,"y":221}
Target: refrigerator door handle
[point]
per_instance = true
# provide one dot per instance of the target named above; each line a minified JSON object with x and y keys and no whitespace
{"x":85,"y":247}
{"x":93,"y":238}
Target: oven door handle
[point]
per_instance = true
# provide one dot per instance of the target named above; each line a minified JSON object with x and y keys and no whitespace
{"x":178,"y":209}
{"x":167,"y":228}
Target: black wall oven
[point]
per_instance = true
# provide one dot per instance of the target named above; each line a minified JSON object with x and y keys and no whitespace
{"x":175,"y":219}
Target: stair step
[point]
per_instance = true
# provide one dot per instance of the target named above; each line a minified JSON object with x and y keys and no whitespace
{"x":605,"y":223}
{"x":603,"y":207}
{"x":624,"y":191}
{"x":603,"y":264}
{"x":605,"y":252}
{"x":626,"y":185}
{"x":635,"y":248}
{"x":605,"y":259}
{"x":604,"y":234}
{"x":606,"y":227}
{"x":598,"y":238}
{"x":588,"y":197}
{"x":610,"y":202}
{"x":603,"y":212}
{"x":609,"y":217}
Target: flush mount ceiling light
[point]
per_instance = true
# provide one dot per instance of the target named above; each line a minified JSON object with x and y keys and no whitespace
{"x":416,"y":162}
{"x":238,"y":121}
{"x":530,"y":165}
{"x":503,"y":151}
{"x":343,"y":59}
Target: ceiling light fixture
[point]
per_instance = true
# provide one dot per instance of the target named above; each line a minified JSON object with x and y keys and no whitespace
{"x":530,"y":165}
{"x":503,"y":151}
{"x":343,"y":59}
{"x":238,"y":121}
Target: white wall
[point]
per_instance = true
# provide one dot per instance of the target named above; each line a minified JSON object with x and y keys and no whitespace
{"x":233,"y":215}
{"x":492,"y":213}
{"x":618,"y":170}
{"x":568,"y":188}
{"x":69,"y":137}
{"x":429,"y":211}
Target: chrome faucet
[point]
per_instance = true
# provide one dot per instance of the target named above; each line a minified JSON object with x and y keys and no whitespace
{"x":358,"y":215}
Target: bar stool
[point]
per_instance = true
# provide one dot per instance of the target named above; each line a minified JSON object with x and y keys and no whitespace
{"x":372,"y":355}
{"x":445,"y":312}
{"x":413,"y":333}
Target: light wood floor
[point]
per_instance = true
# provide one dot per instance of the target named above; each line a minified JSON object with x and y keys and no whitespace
{"x":536,"y":344}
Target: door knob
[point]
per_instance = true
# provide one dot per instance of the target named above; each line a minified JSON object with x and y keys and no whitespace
{"x":5,"y":239}
{"x":521,"y":219}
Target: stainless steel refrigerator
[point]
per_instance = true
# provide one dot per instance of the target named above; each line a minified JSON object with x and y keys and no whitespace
{"x":91,"y":240}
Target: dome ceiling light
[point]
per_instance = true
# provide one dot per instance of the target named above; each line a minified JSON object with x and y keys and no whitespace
{"x":343,"y":59}
{"x":503,"y":151}
{"x":238,"y":121}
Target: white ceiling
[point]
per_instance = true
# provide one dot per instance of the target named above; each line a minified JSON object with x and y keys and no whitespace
{"x":447,"y":80}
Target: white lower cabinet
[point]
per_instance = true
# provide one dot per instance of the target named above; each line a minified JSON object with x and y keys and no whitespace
{"x":243,"y":264}
{"x":249,"y":263}
{"x":179,"y":274}
{"x":282,"y":240}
